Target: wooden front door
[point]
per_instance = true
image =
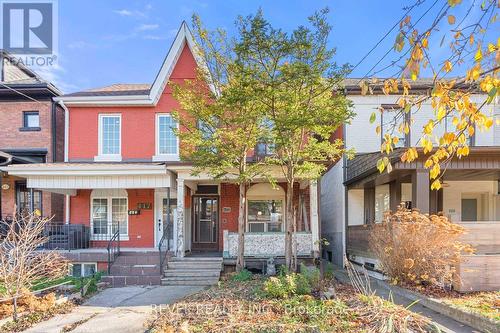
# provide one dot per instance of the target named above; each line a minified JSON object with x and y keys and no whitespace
{"x":205,"y":223}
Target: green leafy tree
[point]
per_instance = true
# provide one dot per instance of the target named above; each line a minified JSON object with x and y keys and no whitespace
{"x":221,"y":122}
{"x":300,"y":88}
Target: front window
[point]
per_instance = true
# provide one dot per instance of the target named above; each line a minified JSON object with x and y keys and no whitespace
{"x":108,"y":214}
{"x":110,"y":135}
{"x":23,"y":199}
{"x":167,"y":140}
{"x":265,"y":215}
{"x":83,"y":269}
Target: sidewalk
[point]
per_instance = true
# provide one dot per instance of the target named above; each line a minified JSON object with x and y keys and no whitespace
{"x":123,"y":310}
{"x":447,"y":324}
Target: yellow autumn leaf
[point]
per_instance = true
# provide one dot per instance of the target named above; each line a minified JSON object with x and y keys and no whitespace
{"x":447,"y":66}
{"x":451,"y":19}
{"x":479,"y":55}
{"x":425,"y":43}
{"x":436,"y":185}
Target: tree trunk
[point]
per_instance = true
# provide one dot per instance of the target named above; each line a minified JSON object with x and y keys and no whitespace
{"x":14,"y":313}
{"x":289,"y":227}
{"x":241,"y":229}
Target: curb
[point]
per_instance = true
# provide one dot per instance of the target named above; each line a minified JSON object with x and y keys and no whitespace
{"x":471,"y":319}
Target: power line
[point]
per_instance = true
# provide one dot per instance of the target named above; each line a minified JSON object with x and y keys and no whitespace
{"x":20,"y":93}
{"x":384,"y":37}
{"x":390,"y":49}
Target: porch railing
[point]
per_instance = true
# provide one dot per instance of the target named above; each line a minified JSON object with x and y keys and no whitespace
{"x":66,"y":236}
{"x":113,"y":248}
{"x":164,"y":245}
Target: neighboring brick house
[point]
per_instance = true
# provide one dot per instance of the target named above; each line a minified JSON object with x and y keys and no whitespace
{"x":32,"y":131}
{"x":123,"y":175}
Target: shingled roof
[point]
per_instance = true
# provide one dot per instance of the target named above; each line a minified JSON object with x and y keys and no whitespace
{"x":118,"y":89}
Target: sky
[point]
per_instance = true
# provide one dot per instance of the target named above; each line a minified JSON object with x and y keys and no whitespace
{"x":118,"y":41}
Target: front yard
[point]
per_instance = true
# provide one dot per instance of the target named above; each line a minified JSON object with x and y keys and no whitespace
{"x":287,"y":303}
{"x":486,"y":304}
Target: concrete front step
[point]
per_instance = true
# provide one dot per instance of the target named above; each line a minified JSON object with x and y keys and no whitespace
{"x":122,"y":281}
{"x":205,"y":282}
{"x":197,"y":259}
{"x":193,"y":265}
{"x":134,"y":270}
{"x":188,"y":273}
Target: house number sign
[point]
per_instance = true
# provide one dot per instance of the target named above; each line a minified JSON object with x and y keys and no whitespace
{"x":134,"y":212}
{"x":144,"y":205}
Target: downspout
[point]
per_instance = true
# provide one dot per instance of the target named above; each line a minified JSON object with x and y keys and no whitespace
{"x":54,"y":132}
{"x":67,"y":205}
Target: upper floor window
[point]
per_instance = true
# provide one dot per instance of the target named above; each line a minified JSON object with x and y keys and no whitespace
{"x":167,"y":143}
{"x":393,"y":122}
{"x":109,"y":137}
{"x":31,"y":121}
{"x":265,"y":146}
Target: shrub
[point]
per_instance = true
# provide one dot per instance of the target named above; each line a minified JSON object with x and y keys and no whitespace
{"x":329,"y":271}
{"x":241,"y":276}
{"x":287,"y":285}
{"x":418,"y":249}
{"x":313,"y":276}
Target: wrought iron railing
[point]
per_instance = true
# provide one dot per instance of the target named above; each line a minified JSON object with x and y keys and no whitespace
{"x":113,"y":248}
{"x":66,"y":236}
{"x":164,"y":245}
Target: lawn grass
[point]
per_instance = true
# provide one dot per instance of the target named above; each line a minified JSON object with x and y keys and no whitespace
{"x":486,"y":304}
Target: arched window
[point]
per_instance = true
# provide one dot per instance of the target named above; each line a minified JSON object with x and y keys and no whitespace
{"x":265,"y":208}
{"x":109,"y":210}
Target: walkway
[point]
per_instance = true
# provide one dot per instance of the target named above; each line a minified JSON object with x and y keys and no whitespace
{"x":123,"y":310}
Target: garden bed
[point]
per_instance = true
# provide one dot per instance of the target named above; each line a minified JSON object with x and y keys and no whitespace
{"x":248,"y":306}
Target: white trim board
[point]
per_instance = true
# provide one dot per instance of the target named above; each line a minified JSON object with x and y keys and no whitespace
{"x":183,"y":37}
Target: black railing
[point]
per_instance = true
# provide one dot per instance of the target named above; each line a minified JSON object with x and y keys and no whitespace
{"x":113,"y":248}
{"x":66,"y":236}
{"x":164,"y":245}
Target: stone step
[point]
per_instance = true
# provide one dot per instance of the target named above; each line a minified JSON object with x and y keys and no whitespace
{"x":194,"y":265}
{"x":198,"y":259}
{"x":205,"y":282}
{"x":187,"y":273}
{"x":135,"y":270}
{"x":138,"y":260}
{"x":191,"y":278}
{"x":123,"y":281}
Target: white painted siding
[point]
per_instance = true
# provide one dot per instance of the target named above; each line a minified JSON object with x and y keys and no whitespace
{"x":484,"y":191}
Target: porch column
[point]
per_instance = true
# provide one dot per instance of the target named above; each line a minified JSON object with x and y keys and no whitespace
{"x":180,"y":217}
{"x":313,"y":205}
{"x":395,"y":194}
{"x":420,"y":190}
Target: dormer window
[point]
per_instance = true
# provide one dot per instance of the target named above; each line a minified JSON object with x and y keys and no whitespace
{"x":109,"y":137}
{"x":167,"y":142}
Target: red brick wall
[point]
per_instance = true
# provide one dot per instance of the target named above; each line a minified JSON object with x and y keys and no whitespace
{"x":11,"y":118}
{"x":140,"y":227}
{"x":138,"y":123}
{"x":229,"y":197}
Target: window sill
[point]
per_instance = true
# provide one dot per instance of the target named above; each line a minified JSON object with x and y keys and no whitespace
{"x":108,"y":158}
{"x":30,"y":129}
{"x":165,"y":158}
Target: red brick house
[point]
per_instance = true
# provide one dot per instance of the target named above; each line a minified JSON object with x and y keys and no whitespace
{"x":32,"y":132}
{"x":123,"y":176}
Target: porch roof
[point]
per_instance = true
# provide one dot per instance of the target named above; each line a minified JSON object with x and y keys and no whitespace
{"x":68,"y":177}
{"x":482,"y":163}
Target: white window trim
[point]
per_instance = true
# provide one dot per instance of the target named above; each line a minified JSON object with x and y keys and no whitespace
{"x":83,"y":270}
{"x":163,"y":157}
{"x":123,"y":237}
{"x":108,"y":157}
